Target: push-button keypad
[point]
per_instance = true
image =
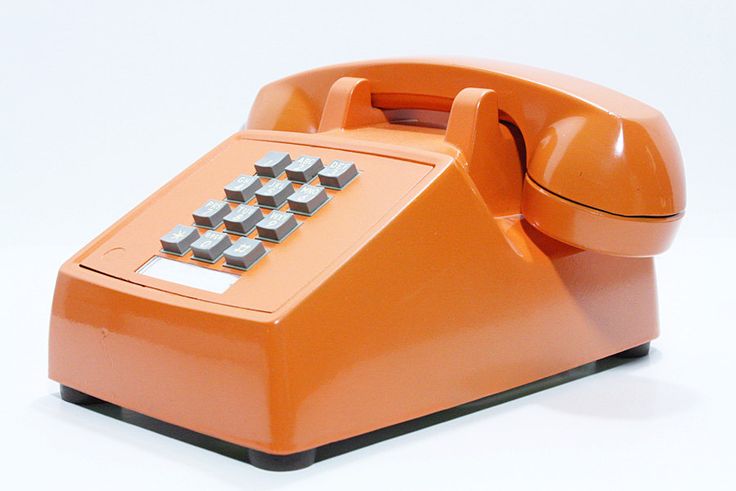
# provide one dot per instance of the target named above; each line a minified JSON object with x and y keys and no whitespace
{"x":242,"y":219}
{"x":228,"y":221}
{"x":307,"y":199}
{"x":304,"y":168}
{"x":210,"y":246}
{"x":276,"y":226}
{"x":274,"y":193}
{"x":211,"y":213}
{"x":244,"y":253}
{"x":242,"y":188}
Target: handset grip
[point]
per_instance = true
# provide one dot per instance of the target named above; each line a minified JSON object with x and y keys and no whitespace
{"x":591,"y":151}
{"x":488,"y":149}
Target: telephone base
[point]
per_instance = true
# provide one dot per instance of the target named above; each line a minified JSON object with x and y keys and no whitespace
{"x":304,"y":459}
{"x":262,"y":460}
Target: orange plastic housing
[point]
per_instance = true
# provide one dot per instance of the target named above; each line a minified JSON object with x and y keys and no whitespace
{"x":499,"y":232}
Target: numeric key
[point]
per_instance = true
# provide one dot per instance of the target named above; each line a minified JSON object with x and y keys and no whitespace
{"x":242,"y":219}
{"x":272,"y":164}
{"x":244,"y":253}
{"x":307,"y":199}
{"x":242,"y":188}
{"x":211,"y":213}
{"x":178,"y":240}
{"x":276,"y":226}
{"x":210,"y":246}
{"x":338,"y":174}
{"x":304,"y":168}
{"x":274,"y":193}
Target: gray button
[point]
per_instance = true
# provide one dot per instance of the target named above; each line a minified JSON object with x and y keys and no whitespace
{"x":307,"y":199}
{"x":244,"y":253}
{"x":210,"y":245}
{"x":276,"y":226}
{"x":179,"y":239}
{"x":243,"y":218}
{"x":272,"y":164}
{"x":242,"y":187}
{"x":274,"y":193}
{"x":338,"y":174}
{"x":304,"y":168}
{"x":211,"y":213}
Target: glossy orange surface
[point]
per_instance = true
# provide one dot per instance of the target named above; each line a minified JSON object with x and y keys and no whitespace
{"x":596,"y":230}
{"x":591,"y":145}
{"x":418,"y":287}
{"x":289,"y":267}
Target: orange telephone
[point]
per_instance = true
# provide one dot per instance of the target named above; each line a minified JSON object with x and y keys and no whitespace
{"x":384,"y":241}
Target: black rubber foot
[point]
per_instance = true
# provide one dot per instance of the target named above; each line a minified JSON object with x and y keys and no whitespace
{"x":635,"y":352}
{"x":75,"y":397}
{"x":291,"y":462}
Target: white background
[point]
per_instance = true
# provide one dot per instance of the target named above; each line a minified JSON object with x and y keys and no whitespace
{"x":102,"y":103}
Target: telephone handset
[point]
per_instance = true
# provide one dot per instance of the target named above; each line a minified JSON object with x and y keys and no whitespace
{"x":383,"y":241}
{"x":599,"y":170}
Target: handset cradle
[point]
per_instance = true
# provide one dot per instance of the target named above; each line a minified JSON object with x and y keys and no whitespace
{"x":601,"y":171}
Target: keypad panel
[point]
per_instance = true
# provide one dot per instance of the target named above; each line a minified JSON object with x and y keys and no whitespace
{"x":320,"y":242}
{"x":258,"y":209}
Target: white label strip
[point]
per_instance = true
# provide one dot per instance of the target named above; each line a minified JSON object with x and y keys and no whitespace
{"x":188,"y":274}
